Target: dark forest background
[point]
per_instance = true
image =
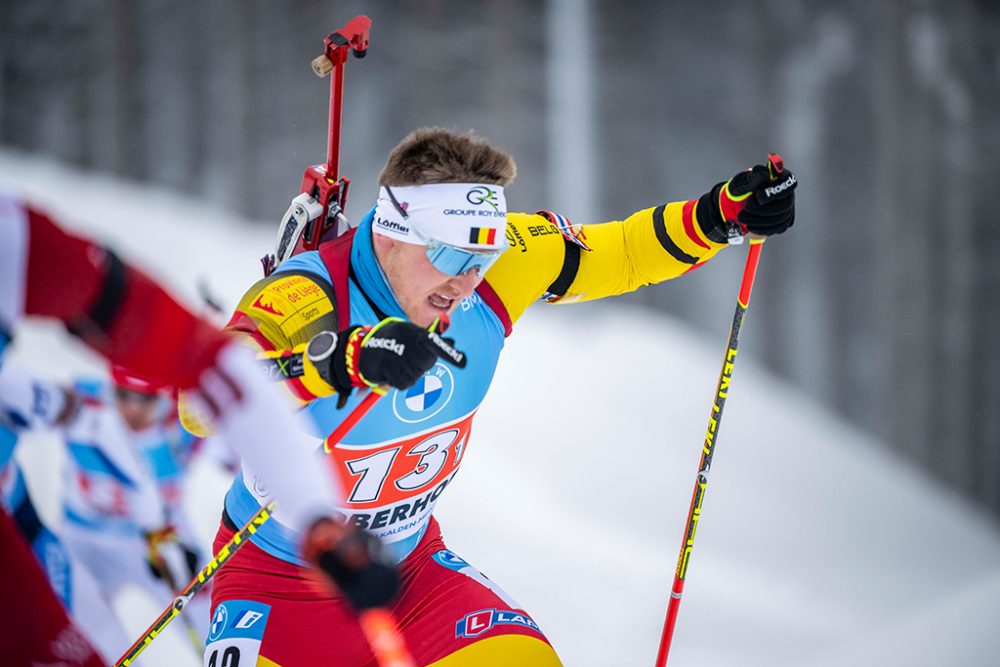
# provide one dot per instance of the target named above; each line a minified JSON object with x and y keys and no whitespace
{"x":883,"y":302}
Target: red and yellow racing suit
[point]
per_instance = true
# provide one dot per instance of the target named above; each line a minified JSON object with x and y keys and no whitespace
{"x":397,"y":461}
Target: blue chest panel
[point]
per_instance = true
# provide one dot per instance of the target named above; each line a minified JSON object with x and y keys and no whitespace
{"x":13,"y":490}
{"x":397,"y":460}
{"x":443,"y":395}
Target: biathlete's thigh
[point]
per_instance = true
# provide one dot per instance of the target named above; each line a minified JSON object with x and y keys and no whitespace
{"x":269,"y":612}
{"x":452,"y":615}
{"x":266,"y":611}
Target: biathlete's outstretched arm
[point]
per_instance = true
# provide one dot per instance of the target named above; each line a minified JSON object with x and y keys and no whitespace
{"x":563,"y":263}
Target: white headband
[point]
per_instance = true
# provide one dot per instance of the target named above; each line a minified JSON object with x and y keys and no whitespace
{"x":465,"y":215}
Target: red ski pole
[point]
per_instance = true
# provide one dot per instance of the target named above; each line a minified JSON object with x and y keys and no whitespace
{"x":776,"y":166}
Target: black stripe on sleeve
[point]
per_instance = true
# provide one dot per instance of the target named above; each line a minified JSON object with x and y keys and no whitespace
{"x":98,"y":320}
{"x":660,"y":226}
{"x":571,"y":265}
{"x":112,"y":294}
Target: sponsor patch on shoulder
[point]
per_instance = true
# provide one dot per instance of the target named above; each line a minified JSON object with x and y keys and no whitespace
{"x":450,"y":560}
{"x":570,"y":232}
{"x":290,"y":296}
{"x":235,"y":633}
{"x":482,"y":621}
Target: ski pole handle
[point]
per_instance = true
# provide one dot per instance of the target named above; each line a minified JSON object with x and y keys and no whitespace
{"x":775,"y":167}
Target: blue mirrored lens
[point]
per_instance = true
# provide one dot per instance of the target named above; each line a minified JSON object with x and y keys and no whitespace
{"x":453,"y":261}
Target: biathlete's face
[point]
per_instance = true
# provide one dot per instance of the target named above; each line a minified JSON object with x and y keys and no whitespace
{"x":423,"y":292}
{"x":138,"y":410}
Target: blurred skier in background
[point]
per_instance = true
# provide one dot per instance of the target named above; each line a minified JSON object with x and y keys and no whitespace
{"x":123,"y":491}
{"x":125,"y":316}
{"x":29,"y":403}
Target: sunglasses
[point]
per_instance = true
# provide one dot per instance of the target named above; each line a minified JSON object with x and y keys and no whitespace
{"x":448,"y":259}
{"x":127,"y":395}
{"x":453,"y":261}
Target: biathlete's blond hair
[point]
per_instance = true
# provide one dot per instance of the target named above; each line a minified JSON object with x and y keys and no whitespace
{"x":439,"y":155}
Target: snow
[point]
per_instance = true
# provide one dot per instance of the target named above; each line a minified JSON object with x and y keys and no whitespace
{"x":816,"y":546}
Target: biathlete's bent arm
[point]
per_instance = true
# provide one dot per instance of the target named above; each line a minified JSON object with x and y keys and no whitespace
{"x":277,"y":317}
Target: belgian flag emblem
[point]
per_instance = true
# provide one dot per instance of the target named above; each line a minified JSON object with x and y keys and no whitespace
{"x":482,"y":235}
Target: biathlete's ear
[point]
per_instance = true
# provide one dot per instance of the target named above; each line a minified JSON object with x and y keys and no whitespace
{"x":383,"y":242}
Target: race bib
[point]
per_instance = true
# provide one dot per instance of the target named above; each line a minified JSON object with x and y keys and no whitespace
{"x":235,"y":634}
{"x":391,"y":488}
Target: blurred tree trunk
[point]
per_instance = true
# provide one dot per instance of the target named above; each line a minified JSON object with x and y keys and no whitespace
{"x":981,"y":58}
{"x":127,"y":106}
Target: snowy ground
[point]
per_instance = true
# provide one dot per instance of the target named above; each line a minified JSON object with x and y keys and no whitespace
{"x":816,"y":547}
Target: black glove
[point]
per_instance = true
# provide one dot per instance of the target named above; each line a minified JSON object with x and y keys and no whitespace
{"x":394,"y":352}
{"x":191,"y":557}
{"x":759,"y":201}
{"x":167,"y":559}
{"x":355,"y":560}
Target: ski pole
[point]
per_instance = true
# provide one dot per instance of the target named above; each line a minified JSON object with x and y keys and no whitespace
{"x":776,"y":166}
{"x":196,"y":584}
{"x":196,"y":639}
{"x":233,"y":545}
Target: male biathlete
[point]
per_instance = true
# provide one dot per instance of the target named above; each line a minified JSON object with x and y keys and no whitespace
{"x":355,"y":313}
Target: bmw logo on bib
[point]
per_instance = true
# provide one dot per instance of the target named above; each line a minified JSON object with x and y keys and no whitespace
{"x":218,"y":622}
{"x":427,"y":397}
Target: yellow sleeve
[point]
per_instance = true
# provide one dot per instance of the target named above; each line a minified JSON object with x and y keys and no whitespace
{"x":650,"y":246}
{"x":279,"y":315}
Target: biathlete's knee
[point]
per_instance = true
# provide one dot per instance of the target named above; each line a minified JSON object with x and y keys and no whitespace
{"x":503,"y":651}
